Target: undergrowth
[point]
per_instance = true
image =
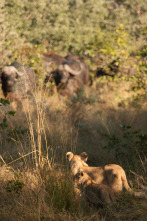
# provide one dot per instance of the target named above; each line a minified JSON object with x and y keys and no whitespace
{"x":34,"y":177}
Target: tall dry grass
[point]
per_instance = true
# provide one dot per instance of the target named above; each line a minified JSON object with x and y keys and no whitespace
{"x":34,"y":178}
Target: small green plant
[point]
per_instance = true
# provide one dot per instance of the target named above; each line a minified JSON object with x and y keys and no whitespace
{"x":4,"y":101}
{"x":15,"y":185}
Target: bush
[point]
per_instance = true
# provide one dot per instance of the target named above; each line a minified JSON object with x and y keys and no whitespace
{"x":129,"y":147}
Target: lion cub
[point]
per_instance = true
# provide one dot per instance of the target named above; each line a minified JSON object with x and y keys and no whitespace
{"x":96,"y":194}
{"x":111,"y":175}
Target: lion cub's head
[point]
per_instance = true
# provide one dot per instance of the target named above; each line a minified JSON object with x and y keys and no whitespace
{"x":84,"y":179}
{"x":76,"y":162}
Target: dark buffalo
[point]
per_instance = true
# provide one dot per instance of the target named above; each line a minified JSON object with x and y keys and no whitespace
{"x":70,"y":76}
{"x":17,"y":81}
{"x":52,"y":61}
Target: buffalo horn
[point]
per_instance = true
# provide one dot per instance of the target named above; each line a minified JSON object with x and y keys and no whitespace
{"x":66,"y":67}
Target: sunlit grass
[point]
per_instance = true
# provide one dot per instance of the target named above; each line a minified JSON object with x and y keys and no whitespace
{"x":34,"y":178}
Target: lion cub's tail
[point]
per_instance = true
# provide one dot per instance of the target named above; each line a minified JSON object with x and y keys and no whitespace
{"x":125,"y":182}
{"x":140,"y":194}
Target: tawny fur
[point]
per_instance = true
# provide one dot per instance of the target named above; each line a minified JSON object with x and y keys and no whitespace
{"x":112,"y":175}
{"x":94,"y":193}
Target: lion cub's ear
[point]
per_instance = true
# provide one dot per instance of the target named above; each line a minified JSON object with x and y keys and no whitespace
{"x":69,"y":156}
{"x":84,"y":156}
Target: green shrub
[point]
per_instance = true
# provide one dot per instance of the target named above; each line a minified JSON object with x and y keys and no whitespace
{"x":16,"y":184}
{"x":129,"y":147}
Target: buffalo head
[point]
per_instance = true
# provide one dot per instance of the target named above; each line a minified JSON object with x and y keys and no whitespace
{"x":8,"y":78}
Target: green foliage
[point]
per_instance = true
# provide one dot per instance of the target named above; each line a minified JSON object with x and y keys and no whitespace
{"x":143,"y":51}
{"x":12,"y":113}
{"x":76,"y":26}
{"x":4,"y":101}
{"x":16,"y":184}
{"x":4,"y":123}
{"x":118,"y":45}
{"x":135,"y":101}
{"x":129,"y":147}
{"x":31,"y":28}
{"x":116,"y":52}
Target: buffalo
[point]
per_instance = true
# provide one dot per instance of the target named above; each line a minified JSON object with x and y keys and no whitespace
{"x":52,"y":61}
{"x":70,"y":76}
{"x":17,"y":81}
